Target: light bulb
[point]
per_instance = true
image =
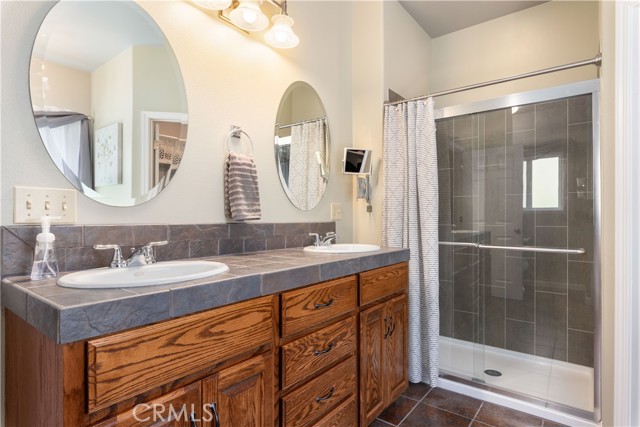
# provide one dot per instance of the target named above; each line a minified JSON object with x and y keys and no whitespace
{"x":213,"y":4}
{"x":281,"y":35}
{"x":249,"y":17}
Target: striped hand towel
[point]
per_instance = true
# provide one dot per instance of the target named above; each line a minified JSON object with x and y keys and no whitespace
{"x":241,"y":194}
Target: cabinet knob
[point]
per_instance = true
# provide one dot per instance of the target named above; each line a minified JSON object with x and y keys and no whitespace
{"x":323,"y":304}
{"x":326,"y":396}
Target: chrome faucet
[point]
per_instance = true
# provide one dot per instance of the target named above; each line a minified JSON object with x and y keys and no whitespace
{"x":326,"y":240}
{"x":144,"y":255}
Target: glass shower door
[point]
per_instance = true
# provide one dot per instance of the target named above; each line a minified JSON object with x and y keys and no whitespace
{"x":517,"y":249}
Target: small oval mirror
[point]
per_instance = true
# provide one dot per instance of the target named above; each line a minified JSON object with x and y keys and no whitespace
{"x":108,"y":99}
{"x":302,"y":145}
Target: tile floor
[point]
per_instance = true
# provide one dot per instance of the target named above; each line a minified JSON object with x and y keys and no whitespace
{"x":422,"y":406}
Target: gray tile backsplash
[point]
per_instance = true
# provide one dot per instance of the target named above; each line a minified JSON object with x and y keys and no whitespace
{"x":74,"y":244}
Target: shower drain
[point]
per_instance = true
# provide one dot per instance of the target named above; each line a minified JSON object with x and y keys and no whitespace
{"x":493,"y":373}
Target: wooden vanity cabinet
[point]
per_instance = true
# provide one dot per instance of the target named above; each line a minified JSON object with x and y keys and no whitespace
{"x":383,"y":340}
{"x":333,"y":354}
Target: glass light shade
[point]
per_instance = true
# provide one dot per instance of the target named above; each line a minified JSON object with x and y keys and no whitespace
{"x":213,"y":4}
{"x":249,"y":17}
{"x":281,"y":35}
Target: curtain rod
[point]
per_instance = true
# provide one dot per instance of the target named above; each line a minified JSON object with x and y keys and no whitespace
{"x":596,"y":60}
{"x":279,"y":126}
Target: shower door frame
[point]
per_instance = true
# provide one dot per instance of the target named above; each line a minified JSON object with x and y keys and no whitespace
{"x":543,"y":95}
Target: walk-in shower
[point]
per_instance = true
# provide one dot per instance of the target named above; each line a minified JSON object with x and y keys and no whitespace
{"x":519,"y":257}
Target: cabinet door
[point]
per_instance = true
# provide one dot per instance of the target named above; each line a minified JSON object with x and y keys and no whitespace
{"x":372,"y":356}
{"x":180,"y":408}
{"x":396,"y":378}
{"x":242,"y":395}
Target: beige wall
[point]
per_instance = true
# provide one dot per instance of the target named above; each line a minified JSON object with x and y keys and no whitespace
{"x":229,"y":79}
{"x":367,"y":98}
{"x":553,"y":33}
{"x":66,"y":87}
{"x":390,"y":51}
{"x":112,"y":102}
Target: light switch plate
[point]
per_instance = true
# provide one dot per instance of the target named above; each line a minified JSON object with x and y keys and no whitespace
{"x":31,"y":203}
{"x":336,"y":211}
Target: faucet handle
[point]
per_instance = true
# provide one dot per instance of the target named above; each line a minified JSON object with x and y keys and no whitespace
{"x":317,"y":236}
{"x":148,"y":252}
{"x":117,"y":260}
{"x":158,"y":243}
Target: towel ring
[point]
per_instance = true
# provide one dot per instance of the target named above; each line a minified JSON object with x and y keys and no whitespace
{"x":236,"y":132}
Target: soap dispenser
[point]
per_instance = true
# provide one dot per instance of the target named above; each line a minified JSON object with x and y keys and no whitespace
{"x":45,"y":263}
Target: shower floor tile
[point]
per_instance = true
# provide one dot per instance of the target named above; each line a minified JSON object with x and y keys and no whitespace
{"x":439,"y":407}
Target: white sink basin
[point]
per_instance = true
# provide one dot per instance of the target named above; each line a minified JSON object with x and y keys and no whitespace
{"x":154,"y":274}
{"x":343,"y":248}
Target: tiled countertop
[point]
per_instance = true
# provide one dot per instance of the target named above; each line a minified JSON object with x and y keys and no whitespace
{"x":68,"y":315}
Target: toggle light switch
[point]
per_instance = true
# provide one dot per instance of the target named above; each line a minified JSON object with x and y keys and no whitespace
{"x":31,"y":203}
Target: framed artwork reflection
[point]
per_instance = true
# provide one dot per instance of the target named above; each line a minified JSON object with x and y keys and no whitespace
{"x":107,"y":155}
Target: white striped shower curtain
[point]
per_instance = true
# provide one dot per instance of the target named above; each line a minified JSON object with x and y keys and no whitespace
{"x":410,"y":220}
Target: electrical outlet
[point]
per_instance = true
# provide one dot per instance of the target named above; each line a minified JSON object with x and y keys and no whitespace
{"x":31,"y":203}
{"x":336,"y":211}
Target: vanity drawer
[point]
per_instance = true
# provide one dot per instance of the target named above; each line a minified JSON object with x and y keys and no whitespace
{"x":304,"y":308}
{"x":345,"y":415}
{"x":123,"y":365}
{"x":382,"y":282}
{"x":306,"y":356}
{"x":320,"y":396}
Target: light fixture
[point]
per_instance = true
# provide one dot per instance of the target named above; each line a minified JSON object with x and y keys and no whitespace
{"x":281,"y":34}
{"x":214,"y":4}
{"x":248,"y":16}
{"x":251,"y":16}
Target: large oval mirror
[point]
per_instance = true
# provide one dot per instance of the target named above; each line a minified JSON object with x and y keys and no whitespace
{"x":108,"y":99}
{"x":302,"y":146}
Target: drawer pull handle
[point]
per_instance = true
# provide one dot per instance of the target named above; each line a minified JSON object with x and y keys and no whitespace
{"x":214,"y":410}
{"x":192,"y":420}
{"x":393,"y":326}
{"x":326,"y":396}
{"x":326,"y":350}
{"x":324,"y":304}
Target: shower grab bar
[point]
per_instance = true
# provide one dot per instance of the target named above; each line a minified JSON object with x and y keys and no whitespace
{"x":516,"y":248}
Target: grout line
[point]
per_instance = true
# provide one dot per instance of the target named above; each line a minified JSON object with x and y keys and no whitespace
{"x":477,"y":412}
{"x":409,"y":413}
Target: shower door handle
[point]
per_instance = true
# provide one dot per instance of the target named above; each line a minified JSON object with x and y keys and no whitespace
{"x":578,"y":251}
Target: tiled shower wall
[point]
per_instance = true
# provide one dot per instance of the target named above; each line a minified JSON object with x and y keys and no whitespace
{"x":74,"y":244}
{"x":535,"y":303}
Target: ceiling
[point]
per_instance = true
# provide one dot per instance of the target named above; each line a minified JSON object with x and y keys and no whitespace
{"x":438,"y":18}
